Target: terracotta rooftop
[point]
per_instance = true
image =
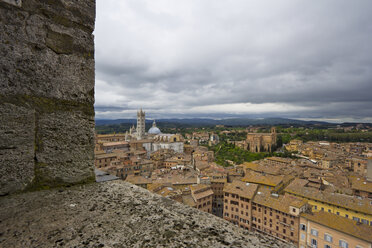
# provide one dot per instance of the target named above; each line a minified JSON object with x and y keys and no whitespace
{"x":105,"y":155}
{"x":138,"y":179}
{"x":277,"y":202}
{"x":361,"y":184}
{"x":200,"y":195}
{"x":116,"y":143}
{"x":246,"y":190}
{"x":341,"y":224}
{"x":258,"y":178}
{"x":188,"y":200}
{"x":297,"y":187}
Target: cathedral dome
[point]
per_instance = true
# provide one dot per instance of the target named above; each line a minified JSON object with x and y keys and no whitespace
{"x":154,"y":129}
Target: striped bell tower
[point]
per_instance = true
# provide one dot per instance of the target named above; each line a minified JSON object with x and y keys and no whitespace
{"x":140,"y":124}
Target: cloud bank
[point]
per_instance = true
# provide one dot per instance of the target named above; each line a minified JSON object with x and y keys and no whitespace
{"x":192,"y":58}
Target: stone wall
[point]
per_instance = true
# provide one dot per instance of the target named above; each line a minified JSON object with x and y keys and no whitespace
{"x":46,"y":93}
{"x":115,"y":214}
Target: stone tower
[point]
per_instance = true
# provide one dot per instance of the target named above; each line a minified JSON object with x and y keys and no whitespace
{"x":140,"y":124}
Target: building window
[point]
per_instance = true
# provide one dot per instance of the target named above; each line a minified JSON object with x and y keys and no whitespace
{"x":346,"y":215}
{"x":315,"y":207}
{"x":322,"y":209}
{"x":314,"y":232}
{"x":302,"y":236}
{"x":303,"y":227}
{"x":338,"y":213}
{"x":284,"y":231}
{"x":327,"y":246}
{"x":365,"y":221}
{"x":356,"y":219}
{"x":314,"y":243}
{"x":343,"y":244}
{"x":329,"y":210}
{"x":328,"y":238}
{"x":277,"y":228}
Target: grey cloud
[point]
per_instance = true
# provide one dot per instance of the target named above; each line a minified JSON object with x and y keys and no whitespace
{"x":174,"y":56}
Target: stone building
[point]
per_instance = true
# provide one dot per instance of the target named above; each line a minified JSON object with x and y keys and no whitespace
{"x":337,"y":204}
{"x":202,"y":196}
{"x":103,"y":138}
{"x":141,"y":125}
{"x":217,"y":186}
{"x":238,"y":203}
{"x":323,"y":229}
{"x":260,"y":142}
{"x":256,"y":208}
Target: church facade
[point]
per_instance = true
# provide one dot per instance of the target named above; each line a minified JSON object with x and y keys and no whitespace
{"x":261,"y":142}
{"x":154,"y":139}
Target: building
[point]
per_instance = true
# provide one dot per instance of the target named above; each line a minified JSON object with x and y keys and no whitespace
{"x":328,"y":162}
{"x":238,"y":203}
{"x":358,"y":165}
{"x":323,"y":229}
{"x":259,"y":142}
{"x":166,"y":141}
{"x":109,"y":147}
{"x":361,"y":187}
{"x":104,"y":160}
{"x":266,"y":181}
{"x":202,"y":195}
{"x":350,"y":207}
{"x":217,"y":186}
{"x":102,"y":138}
{"x":278,"y":161}
{"x":202,"y":153}
{"x":141,"y":124}
{"x":213,"y":139}
{"x":257,"y":209}
{"x":369,"y":170}
{"x":154,"y":130}
{"x":277,"y":215}
{"x":293,"y":145}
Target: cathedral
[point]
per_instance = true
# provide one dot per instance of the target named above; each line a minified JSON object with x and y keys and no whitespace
{"x":260,"y":142}
{"x":154,"y":139}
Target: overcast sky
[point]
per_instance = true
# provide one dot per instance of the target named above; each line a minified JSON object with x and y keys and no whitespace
{"x":225,"y":58}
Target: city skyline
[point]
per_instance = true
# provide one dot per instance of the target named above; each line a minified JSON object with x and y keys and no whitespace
{"x":299,"y":60}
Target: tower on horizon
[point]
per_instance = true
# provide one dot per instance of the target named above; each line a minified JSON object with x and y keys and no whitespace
{"x":140,"y":124}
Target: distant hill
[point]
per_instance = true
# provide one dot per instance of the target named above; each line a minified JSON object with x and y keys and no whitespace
{"x":212,"y":122}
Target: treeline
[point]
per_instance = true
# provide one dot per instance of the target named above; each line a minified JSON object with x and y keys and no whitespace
{"x":225,"y":151}
{"x":332,"y":135}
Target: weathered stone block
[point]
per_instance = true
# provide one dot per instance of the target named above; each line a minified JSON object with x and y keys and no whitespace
{"x":44,"y":58}
{"x":17,"y":132}
{"x":59,"y":43}
{"x":46,"y":93}
{"x":64,"y":151}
